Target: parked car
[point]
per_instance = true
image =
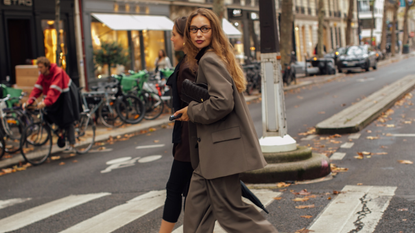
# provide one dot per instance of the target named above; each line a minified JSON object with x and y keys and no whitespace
{"x":299,"y":68}
{"x":335,"y":54}
{"x":357,"y":58}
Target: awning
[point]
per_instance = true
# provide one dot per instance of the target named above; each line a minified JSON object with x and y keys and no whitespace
{"x":230,"y":30}
{"x":124,"y":22}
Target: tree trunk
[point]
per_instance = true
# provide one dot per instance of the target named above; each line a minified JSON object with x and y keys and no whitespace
{"x":219,"y":9}
{"x":349,"y":23}
{"x":320,"y":41}
{"x":384,"y":28}
{"x":405,"y":24}
{"x":395,"y":19}
{"x":372,"y":5}
{"x":286,"y":46}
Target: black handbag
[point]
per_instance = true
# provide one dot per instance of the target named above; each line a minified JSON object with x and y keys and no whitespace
{"x":194,"y":92}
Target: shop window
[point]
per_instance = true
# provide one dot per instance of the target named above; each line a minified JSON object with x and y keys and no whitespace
{"x":51,"y":42}
{"x":154,"y":41}
{"x":101,"y":33}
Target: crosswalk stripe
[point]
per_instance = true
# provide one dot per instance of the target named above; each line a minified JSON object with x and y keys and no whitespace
{"x":347,"y":145}
{"x":354,"y":136}
{"x":366,"y":203}
{"x":38,"y":213}
{"x":264,"y":195}
{"x":149,"y":146}
{"x":10,"y":202}
{"x":337,"y":156}
{"x":121,"y":215}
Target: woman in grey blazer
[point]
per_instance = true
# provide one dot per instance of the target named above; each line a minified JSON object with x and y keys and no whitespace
{"x":223,"y":141}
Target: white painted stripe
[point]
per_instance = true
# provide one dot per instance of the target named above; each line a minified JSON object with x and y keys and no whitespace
{"x":339,"y":215}
{"x":266,"y":196}
{"x":309,"y":137}
{"x":149,"y":146}
{"x":10,"y":202}
{"x":402,"y":135}
{"x":354,"y":136}
{"x":100,"y":150}
{"x":121,"y":215}
{"x":347,"y":145}
{"x":41,"y":212}
{"x":337,"y":156}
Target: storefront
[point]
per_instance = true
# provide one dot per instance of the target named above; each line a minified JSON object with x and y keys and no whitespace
{"x":141,"y":29}
{"x":246,"y":45}
{"x":28,"y":32}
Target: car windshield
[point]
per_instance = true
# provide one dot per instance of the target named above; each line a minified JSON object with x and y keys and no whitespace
{"x":354,"y":50}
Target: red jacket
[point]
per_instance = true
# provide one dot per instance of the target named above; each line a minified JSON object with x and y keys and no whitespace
{"x":51,"y":85}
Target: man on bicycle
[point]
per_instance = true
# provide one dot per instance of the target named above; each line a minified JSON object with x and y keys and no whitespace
{"x":61,"y":98}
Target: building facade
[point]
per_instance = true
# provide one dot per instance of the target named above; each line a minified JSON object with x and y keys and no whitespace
{"x":28,"y":31}
{"x":365,"y":20}
{"x":306,"y":26}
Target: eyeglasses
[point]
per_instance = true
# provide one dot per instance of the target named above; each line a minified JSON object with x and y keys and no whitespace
{"x":203,"y":29}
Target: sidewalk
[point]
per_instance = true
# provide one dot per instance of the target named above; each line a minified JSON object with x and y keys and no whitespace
{"x":102,"y":133}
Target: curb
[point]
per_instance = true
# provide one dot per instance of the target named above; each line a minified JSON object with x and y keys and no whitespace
{"x":361,"y":114}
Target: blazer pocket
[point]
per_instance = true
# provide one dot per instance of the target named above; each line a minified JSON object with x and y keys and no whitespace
{"x":226,"y":134}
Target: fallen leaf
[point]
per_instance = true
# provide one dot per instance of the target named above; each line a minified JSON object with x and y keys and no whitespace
{"x":156,"y":141}
{"x":405,"y":162}
{"x":303,"y":231}
{"x":282,"y":185}
{"x":306,"y":216}
{"x":152,"y":129}
{"x":359,"y":184}
{"x":75,"y":161}
{"x":7,"y":170}
{"x":403,"y":220}
{"x":336,"y":192}
{"x":300,"y":97}
{"x":329,"y":198}
{"x":358,"y":157}
{"x":72,"y":155}
{"x":61,"y":163}
{"x":408,"y":122}
{"x":321,"y":112}
{"x":369,"y":131}
{"x":305,"y":206}
{"x":301,"y":199}
{"x":390,"y":126}
{"x":277,"y":198}
{"x":403,"y":209}
{"x":381,"y":153}
{"x":311,"y":196}
{"x":304,"y":192}
{"x":55,"y":157}
{"x":372,"y":138}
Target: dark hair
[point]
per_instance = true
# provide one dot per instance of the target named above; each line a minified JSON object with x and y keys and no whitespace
{"x":43,"y":60}
{"x":180,"y":25}
{"x":163,"y":53}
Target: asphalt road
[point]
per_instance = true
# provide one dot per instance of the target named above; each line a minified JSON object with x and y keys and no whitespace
{"x":123,"y":172}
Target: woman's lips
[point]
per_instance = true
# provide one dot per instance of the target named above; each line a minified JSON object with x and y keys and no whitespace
{"x":199,"y":41}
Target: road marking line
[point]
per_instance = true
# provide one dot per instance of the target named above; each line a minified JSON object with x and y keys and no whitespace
{"x":149,"y":146}
{"x":121,"y":215}
{"x":150,"y":158}
{"x":337,"y":156}
{"x":266,"y":196}
{"x":309,"y":137}
{"x":10,"y":202}
{"x":100,"y":150}
{"x":41,"y":212}
{"x":354,"y":136}
{"x":347,"y":145}
{"x":402,"y":135}
{"x":339,"y":216}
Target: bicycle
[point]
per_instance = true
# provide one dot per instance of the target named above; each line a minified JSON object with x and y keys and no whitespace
{"x":37,"y":138}
{"x":288,"y":74}
{"x":11,"y":126}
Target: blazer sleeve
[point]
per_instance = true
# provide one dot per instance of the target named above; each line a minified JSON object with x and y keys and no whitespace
{"x":219,"y":82}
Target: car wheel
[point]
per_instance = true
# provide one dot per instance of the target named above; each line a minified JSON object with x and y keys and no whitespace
{"x":340,"y":70}
{"x":367,"y":66}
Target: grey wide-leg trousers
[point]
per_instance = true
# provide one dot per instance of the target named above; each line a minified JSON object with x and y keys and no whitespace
{"x":220,"y":199}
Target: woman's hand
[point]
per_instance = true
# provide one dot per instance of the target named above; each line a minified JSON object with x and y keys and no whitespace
{"x":184,"y":116}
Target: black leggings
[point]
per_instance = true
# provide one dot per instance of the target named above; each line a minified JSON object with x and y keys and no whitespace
{"x":178,"y":184}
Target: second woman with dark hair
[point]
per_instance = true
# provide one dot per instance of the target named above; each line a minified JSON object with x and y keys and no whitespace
{"x":181,"y":169}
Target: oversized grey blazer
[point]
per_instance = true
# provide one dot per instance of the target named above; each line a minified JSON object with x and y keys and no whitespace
{"x":223,"y":140}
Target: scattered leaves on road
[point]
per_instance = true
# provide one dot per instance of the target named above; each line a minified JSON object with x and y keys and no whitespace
{"x":55,"y":157}
{"x":304,"y":230}
{"x":403,"y":209}
{"x":282,"y":185}
{"x":306,"y":216}
{"x":405,"y":162}
{"x":61,"y":163}
{"x":302,"y":199}
{"x":372,"y":138}
{"x":277,"y":198}
{"x":305,"y":206}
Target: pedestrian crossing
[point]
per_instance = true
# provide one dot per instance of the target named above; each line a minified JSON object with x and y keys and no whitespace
{"x":339,"y":216}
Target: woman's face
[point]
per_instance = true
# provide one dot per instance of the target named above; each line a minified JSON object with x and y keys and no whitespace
{"x":160,"y":53}
{"x":200,"y":39}
{"x":177,"y":40}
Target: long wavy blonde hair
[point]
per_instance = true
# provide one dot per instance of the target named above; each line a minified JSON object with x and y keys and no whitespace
{"x":219,"y":44}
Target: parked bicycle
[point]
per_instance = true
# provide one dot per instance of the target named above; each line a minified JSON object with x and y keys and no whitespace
{"x":253,"y":76}
{"x":288,"y":74}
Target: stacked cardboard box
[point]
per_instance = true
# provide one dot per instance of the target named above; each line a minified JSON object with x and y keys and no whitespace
{"x":26,"y":77}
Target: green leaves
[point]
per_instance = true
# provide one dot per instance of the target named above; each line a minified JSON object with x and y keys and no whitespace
{"x":111,"y":54}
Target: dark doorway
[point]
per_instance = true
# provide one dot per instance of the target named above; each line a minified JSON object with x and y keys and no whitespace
{"x":20,"y":44}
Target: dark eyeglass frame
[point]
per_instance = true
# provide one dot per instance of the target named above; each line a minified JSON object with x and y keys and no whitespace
{"x":203,"y":29}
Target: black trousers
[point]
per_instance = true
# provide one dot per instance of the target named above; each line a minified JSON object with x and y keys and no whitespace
{"x":70,"y":134}
{"x":177,"y":185}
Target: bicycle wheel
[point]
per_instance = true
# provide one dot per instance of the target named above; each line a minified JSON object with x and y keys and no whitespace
{"x":108,"y":115}
{"x":36,"y":143}
{"x":12,"y":129}
{"x":153,"y":103}
{"x":84,"y":134}
{"x":130,"y":109}
{"x":2,"y":146}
